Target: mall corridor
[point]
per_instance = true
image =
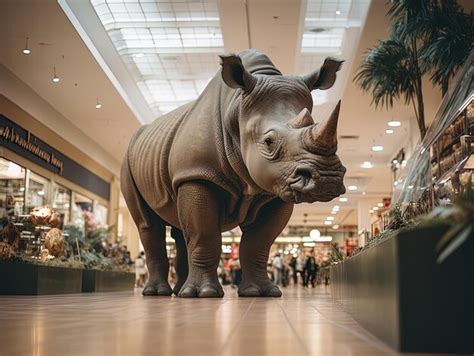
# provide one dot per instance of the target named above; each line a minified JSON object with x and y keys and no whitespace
{"x":303,"y":322}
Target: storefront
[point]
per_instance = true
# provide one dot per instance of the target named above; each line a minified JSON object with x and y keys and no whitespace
{"x":40,"y":169}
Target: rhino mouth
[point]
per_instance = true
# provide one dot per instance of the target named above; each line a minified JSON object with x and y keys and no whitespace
{"x":308,"y":186}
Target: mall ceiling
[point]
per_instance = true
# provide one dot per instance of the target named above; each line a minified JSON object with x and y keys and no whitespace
{"x":140,"y":59}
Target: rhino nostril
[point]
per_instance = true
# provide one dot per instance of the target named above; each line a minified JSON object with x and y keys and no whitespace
{"x":304,"y":173}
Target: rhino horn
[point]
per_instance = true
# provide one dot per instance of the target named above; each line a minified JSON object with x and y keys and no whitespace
{"x":303,"y":119}
{"x":322,"y":137}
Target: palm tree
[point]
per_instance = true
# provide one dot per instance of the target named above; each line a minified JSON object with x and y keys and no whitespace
{"x":426,"y":36}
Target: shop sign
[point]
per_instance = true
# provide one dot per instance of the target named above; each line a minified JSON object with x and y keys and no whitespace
{"x":24,"y":143}
{"x":29,"y":143}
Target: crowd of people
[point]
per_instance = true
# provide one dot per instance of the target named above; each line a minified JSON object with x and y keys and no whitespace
{"x":283,"y":270}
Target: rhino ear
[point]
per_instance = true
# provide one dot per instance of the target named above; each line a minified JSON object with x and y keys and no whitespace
{"x":325,"y":77}
{"x":234,"y":73}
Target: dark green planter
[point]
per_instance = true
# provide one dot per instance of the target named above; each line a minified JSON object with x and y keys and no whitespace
{"x":397,"y":291}
{"x":18,"y":278}
{"x":106,"y":281}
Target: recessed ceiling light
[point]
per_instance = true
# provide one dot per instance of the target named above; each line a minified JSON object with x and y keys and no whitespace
{"x":98,"y":105}
{"x":389,"y":131}
{"x":330,"y":218}
{"x":343,"y":199}
{"x":410,"y":186}
{"x":26,"y":50}
{"x":336,"y":208}
{"x":327,"y":222}
{"x":352,"y":187}
{"x":367,"y":164}
{"x":377,"y":148}
{"x":335,"y":227}
{"x":375,"y":208}
{"x":380,"y":205}
{"x":394,"y":123}
{"x":338,"y":12}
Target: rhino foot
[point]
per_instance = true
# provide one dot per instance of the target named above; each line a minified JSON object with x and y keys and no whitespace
{"x":208,"y":290}
{"x":252,"y":289}
{"x":155,"y":289}
{"x":177,"y":287}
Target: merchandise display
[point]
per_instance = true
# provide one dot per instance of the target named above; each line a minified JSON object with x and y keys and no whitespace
{"x":255,"y":152}
{"x":444,"y":162}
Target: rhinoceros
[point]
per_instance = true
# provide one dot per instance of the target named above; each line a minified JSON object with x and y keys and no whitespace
{"x":242,"y":154}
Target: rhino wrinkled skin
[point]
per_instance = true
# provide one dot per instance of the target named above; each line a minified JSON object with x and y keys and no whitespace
{"x":240,"y":155}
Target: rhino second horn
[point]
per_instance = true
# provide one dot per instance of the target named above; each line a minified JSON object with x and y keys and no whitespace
{"x":323,"y":136}
{"x":303,"y":119}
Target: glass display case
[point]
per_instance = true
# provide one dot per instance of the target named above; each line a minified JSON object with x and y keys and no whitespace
{"x":443,"y":163}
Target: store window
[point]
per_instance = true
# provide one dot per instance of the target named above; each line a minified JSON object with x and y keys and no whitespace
{"x":12,"y":189}
{"x":37,"y":191}
{"x":81,"y":209}
{"x":100,"y":215}
{"x":62,"y":203}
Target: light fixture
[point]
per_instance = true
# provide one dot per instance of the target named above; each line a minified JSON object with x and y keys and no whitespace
{"x":334,"y":212}
{"x":336,"y":207}
{"x":330,"y":218}
{"x":22,"y":189}
{"x":377,"y":148}
{"x":324,"y":239}
{"x":98,"y":105}
{"x":375,"y":208}
{"x":41,"y":192}
{"x":352,"y":187}
{"x":364,"y":193}
{"x":367,"y":164}
{"x":343,"y":199}
{"x":55,"y":76}
{"x":389,"y":131}
{"x":380,"y":205}
{"x":371,"y":211}
{"x":26,"y":50}
{"x":327,"y":222}
{"x":309,"y":244}
{"x":394,"y":123}
{"x":410,"y":186}
{"x":314,"y":234}
{"x":338,"y":12}
{"x":335,"y":227}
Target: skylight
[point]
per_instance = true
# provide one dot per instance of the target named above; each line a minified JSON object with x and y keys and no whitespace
{"x":169,"y":48}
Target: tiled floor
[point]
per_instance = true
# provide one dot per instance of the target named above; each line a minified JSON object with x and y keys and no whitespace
{"x":302,"y":322}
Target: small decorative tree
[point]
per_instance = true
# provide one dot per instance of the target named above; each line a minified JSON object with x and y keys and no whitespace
{"x":426,"y":36}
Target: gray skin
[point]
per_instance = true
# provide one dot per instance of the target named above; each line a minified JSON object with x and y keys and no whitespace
{"x":240,"y":155}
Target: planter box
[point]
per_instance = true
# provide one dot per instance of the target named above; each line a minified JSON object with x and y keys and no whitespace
{"x":18,"y":278}
{"x":106,"y":281}
{"x":397,"y":291}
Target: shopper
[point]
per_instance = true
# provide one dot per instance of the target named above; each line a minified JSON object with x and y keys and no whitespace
{"x":294,"y":272}
{"x":311,"y":270}
{"x":140,"y":271}
{"x":300,"y":268}
{"x":277,"y":264}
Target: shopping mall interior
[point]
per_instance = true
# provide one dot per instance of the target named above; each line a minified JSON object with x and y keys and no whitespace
{"x":238,"y":177}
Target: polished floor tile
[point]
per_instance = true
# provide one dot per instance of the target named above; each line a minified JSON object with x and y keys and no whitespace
{"x":302,"y":322}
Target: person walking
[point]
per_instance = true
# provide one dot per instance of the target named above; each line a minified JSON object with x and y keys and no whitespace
{"x":140,"y":271}
{"x":277,"y":264}
{"x":300,"y":269}
{"x":294,"y":272}
{"x":311,"y":270}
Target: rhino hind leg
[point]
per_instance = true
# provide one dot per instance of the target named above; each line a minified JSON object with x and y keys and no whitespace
{"x":255,"y":248}
{"x":152,"y":231}
{"x":181,"y":260}
{"x":199,"y":215}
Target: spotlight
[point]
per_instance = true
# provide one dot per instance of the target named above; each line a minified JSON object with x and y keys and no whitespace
{"x":367,"y":164}
{"x":330,"y":218}
{"x":328,"y":222}
{"x":26,"y":50}
{"x":55,"y":76}
{"x":338,"y":12}
{"x":377,"y":148}
{"x":352,"y":187}
{"x":98,"y":105}
{"x":335,"y":227}
{"x":389,"y":131}
{"x":380,"y":205}
{"x":343,"y":199}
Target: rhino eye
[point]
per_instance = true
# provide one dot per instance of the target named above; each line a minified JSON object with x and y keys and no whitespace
{"x":269,"y":141}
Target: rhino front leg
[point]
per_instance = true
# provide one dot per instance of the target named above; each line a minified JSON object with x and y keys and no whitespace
{"x":199,"y":216}
{"x":255,"y":248}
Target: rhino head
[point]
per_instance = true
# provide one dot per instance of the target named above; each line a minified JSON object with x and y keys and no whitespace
{"x":285,"y":151}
